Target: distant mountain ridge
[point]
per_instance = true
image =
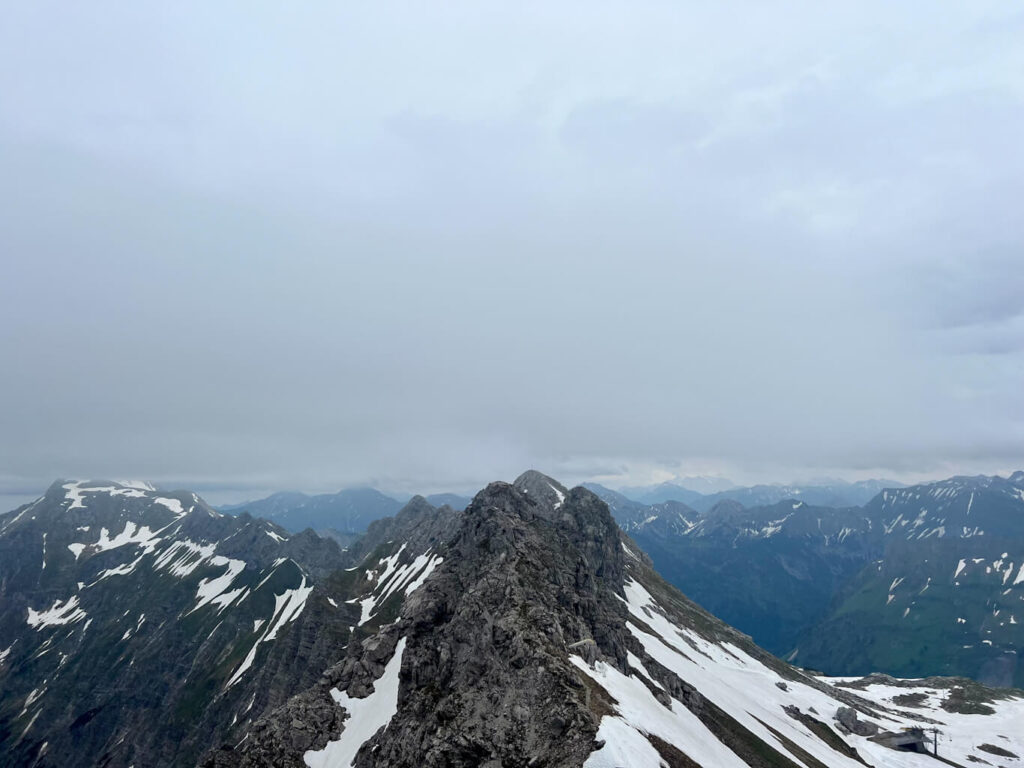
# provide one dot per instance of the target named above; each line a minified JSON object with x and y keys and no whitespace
{"x":344,"y":515}
{"x":348,"y":511}
{"x":947,"y":593}
{"x":922,"y":580}
{"x":832,"y":494}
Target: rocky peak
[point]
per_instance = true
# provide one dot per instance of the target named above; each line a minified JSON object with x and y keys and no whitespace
{"x":545,"y":491}
{"x":726,"y":515}
{"x":416,"y":508}
{"x":485,"y":677}
{"x":725,"y":509}
{"x":419,"y":525}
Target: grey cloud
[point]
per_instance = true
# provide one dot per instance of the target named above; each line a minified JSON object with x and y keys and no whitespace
{"x":427,"y":250}
{"x":644,"y":131}
{"x":985,"y":289}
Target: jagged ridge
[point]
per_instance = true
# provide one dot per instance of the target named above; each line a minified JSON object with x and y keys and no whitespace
{"x":545,"y":638}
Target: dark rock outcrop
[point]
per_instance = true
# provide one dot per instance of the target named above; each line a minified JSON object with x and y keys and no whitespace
{"x":526,"y":575}
{"x":848,"y":721}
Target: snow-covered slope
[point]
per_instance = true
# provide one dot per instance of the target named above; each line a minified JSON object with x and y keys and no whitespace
{"x":968,"y":723}
{"x":777,"y":704}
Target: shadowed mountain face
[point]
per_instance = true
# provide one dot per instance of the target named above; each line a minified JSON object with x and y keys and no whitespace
{"x":546,"y":638}
{"x":945,"y":597}
{"x":140,"y":626}
{"x":347,"y":512}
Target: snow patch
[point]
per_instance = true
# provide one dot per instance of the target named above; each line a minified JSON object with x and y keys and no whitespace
{"x":366,"y":717}
{"x":559,"y":494}
{"x":138,"y":485}
{"x":287,"y":607}
{"x":624,"y":747}
{"x":61,"y":612}
{"x":132,"y":534}
{"x":432,"y":563}
{"x":214,"y":590}
{"x":739,"y":684}
{"x":121,"y":570}
{"x":184,"y":556}
{"x":172,"y":504}
{"x":395,"y":577}
{"x":76,"y":492}
{"x":958,"y":734}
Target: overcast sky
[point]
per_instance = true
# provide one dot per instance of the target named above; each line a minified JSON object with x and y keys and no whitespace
{"x":250,"y":246}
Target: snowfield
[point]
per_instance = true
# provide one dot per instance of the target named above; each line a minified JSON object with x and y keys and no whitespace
{"x":755,"y":696}
{"x":959,"y":735}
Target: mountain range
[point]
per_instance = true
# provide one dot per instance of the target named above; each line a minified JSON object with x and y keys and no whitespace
{"x":346,"y":514}
{"x":343,"y":516}
{"x":140,"y":627}
{"x":704,"y":493}
{"x":919,"y":581}
{"x":124,"y":611}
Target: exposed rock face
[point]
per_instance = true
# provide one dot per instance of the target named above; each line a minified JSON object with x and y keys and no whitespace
{"x":304,"y":722}
{"x":486,"y":640}
{"x":848,"y":720}
{"x":418,"y":524}
{"x":484,"y":668}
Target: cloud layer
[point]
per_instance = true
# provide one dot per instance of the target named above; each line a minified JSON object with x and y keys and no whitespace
{"x":249,"y":246}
